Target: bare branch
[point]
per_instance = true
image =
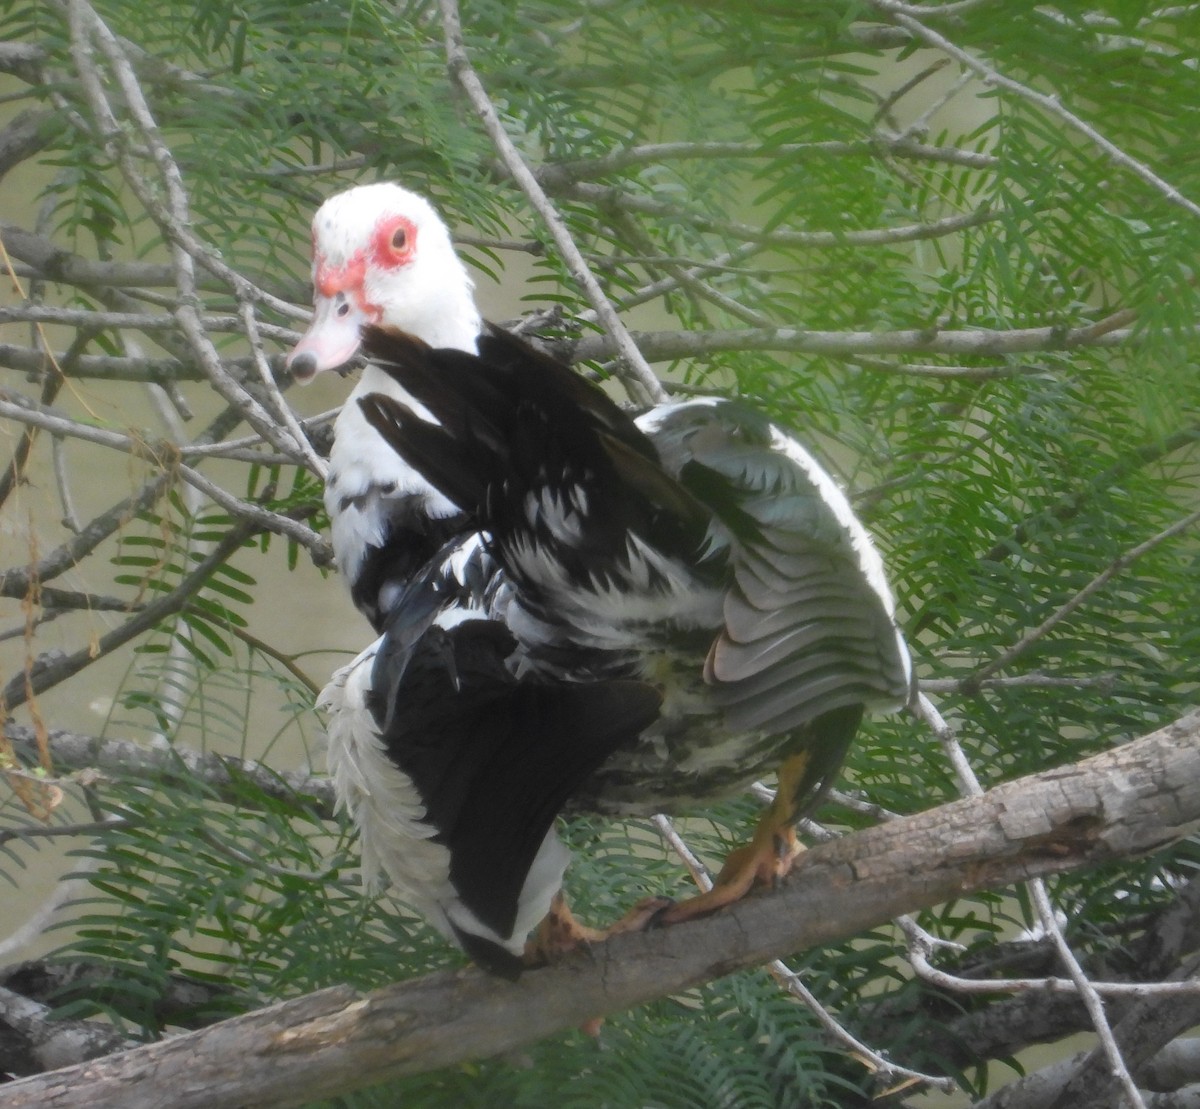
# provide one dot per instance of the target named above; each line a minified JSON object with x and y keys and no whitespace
{"x":167,"y":455}
{"x":901,"y":15}
{"x":662,"y":346}
{"x":560,"y":174}
{"x":1111,"y":1051}
{"x":57,"y":264}
{"x":124,"y":758}
{"x":1091,"y":589}
{"x":622,"y":199}
{"x":142,"y":321}
{"x":50,"y":669}
{"x":26,"y":135}
{"x":46,"y":1042}
{"x":641,"y":379}
{"x":18,"y":581}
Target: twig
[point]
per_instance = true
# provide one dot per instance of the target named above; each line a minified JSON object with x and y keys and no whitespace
{"x":262,"y":517}
{"x":70,"y":517}
{"x":919,"y":950}
{"x":1087,"y":991}
{"x":968,"y":783}
{"x":881,"y":1067}
{"x":884,"y":110}
{"x":254,"y":335}
{"x":76,"y":751}
{"x":951,"y":7}
{"x":39,"y":920}
{"x":1094,"y":586}
{"x":1018,"y":681}
{"x":886,"y":1070}
{"x":557,"y":174}
{"x":696,"y":868}
{"x":641,"y":381}
{"x":253,"y":862}
{"x":921,"y":124}
{"x":608,"y":195}
{"x":17,"y":581}
{"x":286,"y":661}
{"x":49,"y":671}
{"x":902,"y":15}
{"x":172,"y":216}
{"x":142,"y":321}
{"x":55,"y":831}
{"x":43,"y":258}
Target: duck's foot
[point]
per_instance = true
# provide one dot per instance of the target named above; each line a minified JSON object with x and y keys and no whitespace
{"x":560,"y":932}
{"x":768,"y":858}
{"x":764,"y":861}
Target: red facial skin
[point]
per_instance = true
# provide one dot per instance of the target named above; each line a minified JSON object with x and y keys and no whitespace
{"x":393,"y":244}
{"x":341,"y":305}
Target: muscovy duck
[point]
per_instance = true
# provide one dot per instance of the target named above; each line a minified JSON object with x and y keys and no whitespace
{"x":627,"y":616}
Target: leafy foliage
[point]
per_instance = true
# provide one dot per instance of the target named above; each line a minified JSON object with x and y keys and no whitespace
{"x":736,"y":171}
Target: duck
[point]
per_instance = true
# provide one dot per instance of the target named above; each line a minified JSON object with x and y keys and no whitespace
{"x":578,"y":608}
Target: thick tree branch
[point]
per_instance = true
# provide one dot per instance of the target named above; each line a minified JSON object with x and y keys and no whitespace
{"x":31,"y":1040}
{"x":1121,"y":803}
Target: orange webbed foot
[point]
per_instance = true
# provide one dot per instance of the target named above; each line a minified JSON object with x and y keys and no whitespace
{"x":561,"y":933}
{"x":765,"y":861}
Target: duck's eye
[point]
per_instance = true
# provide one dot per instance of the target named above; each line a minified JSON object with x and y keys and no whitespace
{"x":343,"y":308}
{"x":393,"y":242}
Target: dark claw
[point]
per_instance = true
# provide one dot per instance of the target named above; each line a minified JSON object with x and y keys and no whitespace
{"x":655,"y":920}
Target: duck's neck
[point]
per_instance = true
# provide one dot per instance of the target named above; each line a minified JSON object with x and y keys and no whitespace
{"x":440,"y":312}
{"x":457,"y":330}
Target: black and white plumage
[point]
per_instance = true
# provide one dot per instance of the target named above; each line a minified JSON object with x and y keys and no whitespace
{"x":435,"y":744}
{"x":646,"y":614}
{"x":714,"y":559}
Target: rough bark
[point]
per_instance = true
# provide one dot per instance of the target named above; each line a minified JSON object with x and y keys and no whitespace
{"x":1125,"y":802}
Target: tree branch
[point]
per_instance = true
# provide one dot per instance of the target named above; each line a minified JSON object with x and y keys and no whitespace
{"x":559,"y":174}
{"x":903,"y":16}
{"x":124,"y":758}
{"x":1097,"y":583}
{"x":612,"y":197}
{"x":54,"y":667}
{"x":32,"y":1040}
{"x":1124,"y":802}
{"x":644,"y":385}
{"x":663,"y":346}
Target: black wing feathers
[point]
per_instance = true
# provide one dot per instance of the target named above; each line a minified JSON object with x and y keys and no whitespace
{"x":494,"y":758}
{"x":515,"y":424}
